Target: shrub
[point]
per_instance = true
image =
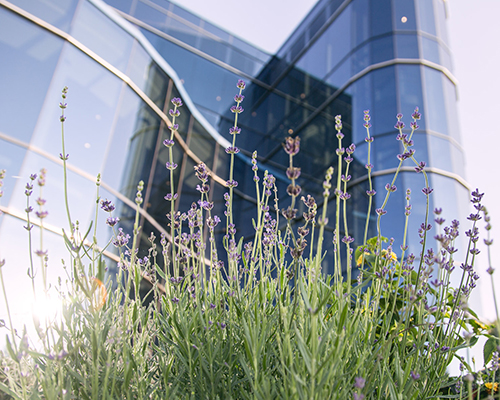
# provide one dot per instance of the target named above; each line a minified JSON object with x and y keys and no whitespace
{"x":267,"y":323}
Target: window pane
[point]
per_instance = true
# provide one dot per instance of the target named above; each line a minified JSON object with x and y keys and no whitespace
{"x":384,"y":100}
{"x":380,"y":17}
{"x":426,"y":16}
{"x":430,"y":49}
{"x":55,"y":12}
{"x":24,"y":48}
{"x":407,"y":46}
{"x":435,"y":110}
{"x":404,"y":15}
{"x":410,"y":88}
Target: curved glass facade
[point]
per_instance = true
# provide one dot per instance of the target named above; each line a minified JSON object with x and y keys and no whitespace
{"x":123,"y":61}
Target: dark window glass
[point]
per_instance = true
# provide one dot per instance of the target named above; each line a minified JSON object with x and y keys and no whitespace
{"x":430,"y":49}
{"x":382,"y":49}
{"x":404,"y":15}
{"x":426,"y":16}
{"x":384,"y":100}
{"x":340,"y":75}
{"x":298,"y":46}
{"x":24,"y":48}
{"x":380,"y":17}
{"x":407,"y":46}
{"x":435,"y":108}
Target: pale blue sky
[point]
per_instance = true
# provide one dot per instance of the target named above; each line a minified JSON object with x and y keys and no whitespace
{"x":474,"y":30}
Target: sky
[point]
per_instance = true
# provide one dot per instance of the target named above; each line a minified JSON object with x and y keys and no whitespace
{"x":474,"y":32}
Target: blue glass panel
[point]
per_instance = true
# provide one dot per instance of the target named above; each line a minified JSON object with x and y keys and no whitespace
{"x":426,"y":16}
{"x":185,"y":14}
{"x":380,"y":17}
{"x":92,"y":99}
{"x":102,"y":36}
{"x":407,"y":46}
{"x":215,"y":48}
{"x":361,"y":100}
{"x":24,"y":48}
{"x":382,"y":49}
{"x":214,"y":30}
{"x":440,"y":7}
{"x":435,"y":108}
{"x":445,"y":57}
{"x":340,"y":75}
{"x":451,"y":108}
{"x":404,"y":15}
{"x":328,"y":51}
{"x":122,"y":5}
{"x":360,"y":59}
{"x":57,"y":13}
{"x":11,"y":159}
{"x":182,"y":32}
{"x":384,"y":152}
{"x":384,"y":100}
{"x":410,"y":89}
{"x":138,"y":66}
{"x":440,"y":153}
{"x":120,"y":136}
{"x":150,"y":15}
{"x":458,"y":157}
{"x":360,"y":21}
{"x":430,"y":49}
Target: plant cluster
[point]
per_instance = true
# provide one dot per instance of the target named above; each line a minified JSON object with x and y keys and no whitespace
{"x":263,"y":321}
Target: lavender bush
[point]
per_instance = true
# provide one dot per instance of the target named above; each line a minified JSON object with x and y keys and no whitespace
{"x":267,"y":323}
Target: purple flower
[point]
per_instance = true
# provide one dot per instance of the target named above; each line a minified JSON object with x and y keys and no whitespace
{"x":174,"y":113}
{"x":176,"y":102}
{"x":175,"y":300}
{"x":414,"y":375}
{"x":241,"y":84}
{"x":427,"y":191}
{"x":121,"y":239}
{"x":168,"y":143}
{"x":416,"y":115}
{"x":368,"y":139}
{"x":169,"y":197}
{"x":237,"y":109}
{"x":380,"y":211}
{"x":234,"y":130}
{"x":293,"y":190}
{"x":358,"y":396}
{"x":170,"y":166}
{"x":420,"y":167}
{"x":292,"y":145}
{"x":239,"y":98}
{"x":359,"y":382}
{"x":490,"y":270}
{"x":292,"y":172}
{"x":107,"y":205}
{"x":112,"y":221}
{"x":232,"y":150}
{"x":371,"y":192}
{"x":42,"y":214}
{"x":399,"y":125}
{"x":231,"y":184}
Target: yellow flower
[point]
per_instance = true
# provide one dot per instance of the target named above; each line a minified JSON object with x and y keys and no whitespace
{"x":360,"y":258}
{"x":491,"y":386}
{"x":392,"y":257}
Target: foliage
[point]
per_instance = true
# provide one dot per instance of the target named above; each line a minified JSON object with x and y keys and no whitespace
{"x":265,"y":324}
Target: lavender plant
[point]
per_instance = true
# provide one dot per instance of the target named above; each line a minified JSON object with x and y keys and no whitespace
{"x":267,"y":323}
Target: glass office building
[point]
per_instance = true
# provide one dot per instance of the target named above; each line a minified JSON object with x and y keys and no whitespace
{"x":123,"y":60}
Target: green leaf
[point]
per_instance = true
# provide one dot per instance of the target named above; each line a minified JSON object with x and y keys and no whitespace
{"x":489,"y":347}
